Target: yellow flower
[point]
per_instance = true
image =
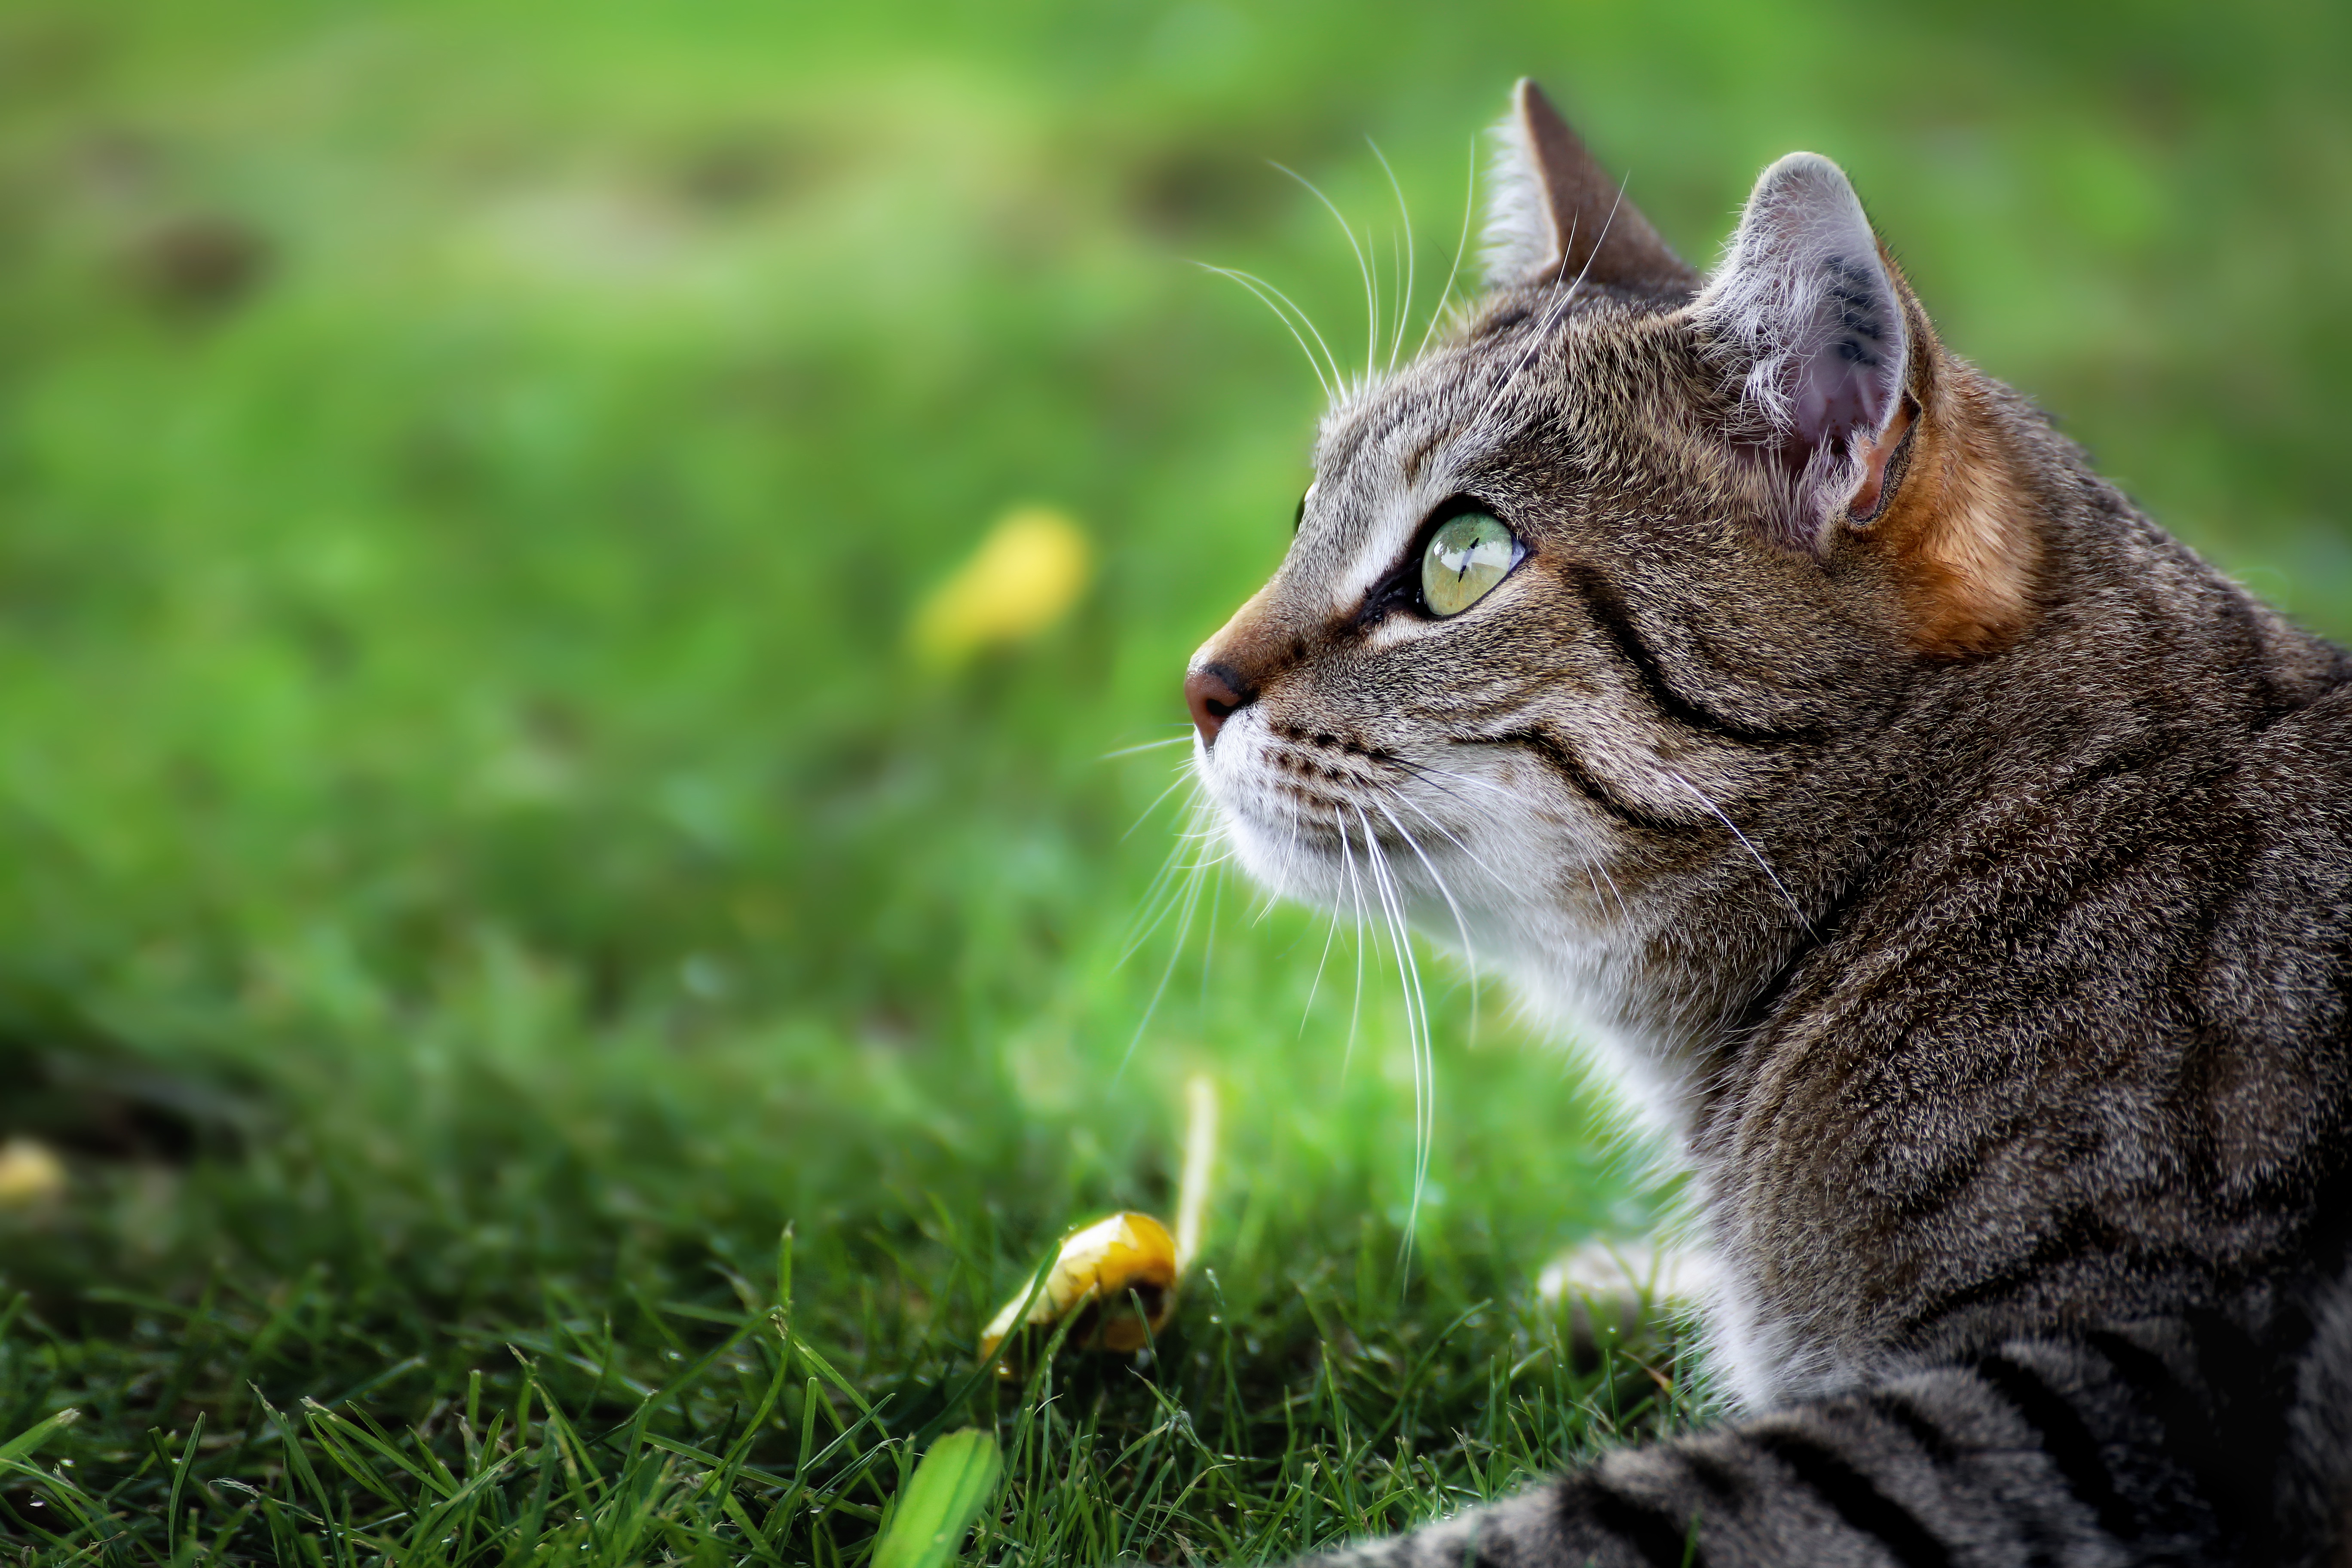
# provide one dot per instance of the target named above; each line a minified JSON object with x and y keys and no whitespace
{"x":29,"y":1174}
{"x":1100,"y":1267}
{"x":1025,"y":576}
{"x":1126,"y":1269}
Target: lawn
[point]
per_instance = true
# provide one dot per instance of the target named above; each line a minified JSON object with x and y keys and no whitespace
{"x":540,"y":1011}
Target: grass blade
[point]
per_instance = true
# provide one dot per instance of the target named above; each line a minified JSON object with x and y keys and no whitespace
{"x":941,"y":1500}
{"x":25,"y":1442}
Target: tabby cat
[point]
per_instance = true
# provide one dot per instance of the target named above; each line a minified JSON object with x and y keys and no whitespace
{"x":1955,"y":867}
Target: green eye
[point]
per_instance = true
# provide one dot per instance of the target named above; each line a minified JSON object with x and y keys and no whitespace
{"x":1466,"y":557}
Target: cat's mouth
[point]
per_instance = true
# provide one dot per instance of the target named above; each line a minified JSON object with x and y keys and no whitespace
{"x":1339,"y":822}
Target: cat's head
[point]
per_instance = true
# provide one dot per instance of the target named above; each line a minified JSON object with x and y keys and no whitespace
{"x":1601,"y":594}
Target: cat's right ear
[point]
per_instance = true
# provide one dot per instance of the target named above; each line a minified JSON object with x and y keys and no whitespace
{"x":1555,"y":217}
{"x":1806,"y":318}
{"x":1859,"y":426}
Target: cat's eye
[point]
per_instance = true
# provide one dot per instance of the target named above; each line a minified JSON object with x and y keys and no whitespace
{"x":1466,"y":557}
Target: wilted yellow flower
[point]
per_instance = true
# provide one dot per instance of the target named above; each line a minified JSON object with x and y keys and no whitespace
{"x":1024,"y":576}
{"x":1125,"y":1270}
{"x":1101,"y":1266}
{"x":29,"y":1174}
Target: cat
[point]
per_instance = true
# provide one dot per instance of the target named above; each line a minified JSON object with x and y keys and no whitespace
{"x":1955,"y":867}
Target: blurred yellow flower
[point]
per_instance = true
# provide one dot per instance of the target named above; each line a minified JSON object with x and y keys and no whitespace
{"x":1025,"y":576}
{"x":29,"y":1174}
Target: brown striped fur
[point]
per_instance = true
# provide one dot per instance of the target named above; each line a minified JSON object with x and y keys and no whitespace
{"x":1954,"y":868}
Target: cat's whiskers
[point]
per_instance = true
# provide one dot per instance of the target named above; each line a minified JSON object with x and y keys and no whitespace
{"x":1430,"y":773}
{"x":1552,"y":318}
{"x":1461,"y":926}
{"x":1315,"y":987}
{"x":1363,"y":267}
{"x":1451,"y":836}
{"x":1404,"y":216}
{"x":1356,"y":896}
{"x":1184,"y":740}
{"x":1598,"y":901}
{"x":1624,"y":911}
{"x":1765,"y":865}
{"x":1209,"y":933}
{"x":1336,"y":386}
{"x":1469,"y":203}
{"x":1330,"y":934}
{"x":1417,"y":1031}
{"x":1267,"y":294}
{"x":1155,"y":902}
{"x":1190,"y":902}
{"x":1274,"y":895}
{"x":1183,"y":778}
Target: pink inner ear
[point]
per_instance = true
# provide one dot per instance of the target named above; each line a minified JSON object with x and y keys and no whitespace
{"x":1850,"y":373}
{"x":1804,"y":301}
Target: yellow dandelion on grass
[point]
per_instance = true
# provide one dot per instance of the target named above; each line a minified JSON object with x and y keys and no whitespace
{"x":1025,"y":576}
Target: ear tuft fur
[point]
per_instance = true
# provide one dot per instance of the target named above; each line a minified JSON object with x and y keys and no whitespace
{"x":1518,"y":235}
{"x":1555,"y":216}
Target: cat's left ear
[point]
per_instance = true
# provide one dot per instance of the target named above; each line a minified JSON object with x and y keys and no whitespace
{"x":1808,"y":319}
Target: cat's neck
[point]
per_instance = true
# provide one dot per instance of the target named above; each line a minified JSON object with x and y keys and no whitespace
{"x":1665,"y":985}
{"x":1652,"y":999}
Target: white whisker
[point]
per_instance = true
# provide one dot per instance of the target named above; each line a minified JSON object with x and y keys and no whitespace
{"x":1183,"y":778}
{"x":1184,"y":930}
{"x":1363,"y":266}
{"x":1429,"y":775}
{"x":1469,"y":201}
{"x":1417,"y":1036}
{"x":1315,"y":987}
{"x":1703,"y":798}
{"x":1461,"y":926}
{"x":1551,"y":317}
{"x":1209,"y":939}
{"x":1146,"y":746}
{"x":1624,"y":910}
{"x":1404,"y":216}
{"x":1155,"y":895}
{"x":1267,"y":294}
{"x":1356,"y":896}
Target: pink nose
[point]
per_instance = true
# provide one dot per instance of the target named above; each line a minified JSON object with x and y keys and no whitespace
{"x":1214,"y":696}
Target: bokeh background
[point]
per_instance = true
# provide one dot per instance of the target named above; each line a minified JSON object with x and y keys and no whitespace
{"x":482,"y":843}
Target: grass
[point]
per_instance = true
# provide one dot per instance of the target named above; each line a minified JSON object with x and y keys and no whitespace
{"x":484,"y":861}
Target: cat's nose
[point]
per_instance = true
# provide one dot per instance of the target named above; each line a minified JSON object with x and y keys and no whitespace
{"x":1214,"y":693}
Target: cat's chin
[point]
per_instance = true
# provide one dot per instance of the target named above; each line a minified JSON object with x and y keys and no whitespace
{"x":1288,"y":863}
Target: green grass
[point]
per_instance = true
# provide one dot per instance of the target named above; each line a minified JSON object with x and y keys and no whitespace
{"x":482,"y":863}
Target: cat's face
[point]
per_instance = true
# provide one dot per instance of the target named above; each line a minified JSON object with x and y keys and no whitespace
{"x":1588,"y":607}
{"x":1642,"y":648}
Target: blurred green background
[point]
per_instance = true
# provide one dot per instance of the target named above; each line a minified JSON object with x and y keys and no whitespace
{"x":474,"y":833}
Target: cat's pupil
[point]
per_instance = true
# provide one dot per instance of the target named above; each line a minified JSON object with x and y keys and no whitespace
{"x":1466,"y":557}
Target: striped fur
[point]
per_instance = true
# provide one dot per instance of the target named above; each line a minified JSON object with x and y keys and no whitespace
{"x":1952,"y":868}
{"x":2104,"y":1449}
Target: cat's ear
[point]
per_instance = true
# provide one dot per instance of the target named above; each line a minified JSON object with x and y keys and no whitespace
{"x":1865,"y":431}
{"x":1808,"y":321}
{"x":1554,"y":216}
